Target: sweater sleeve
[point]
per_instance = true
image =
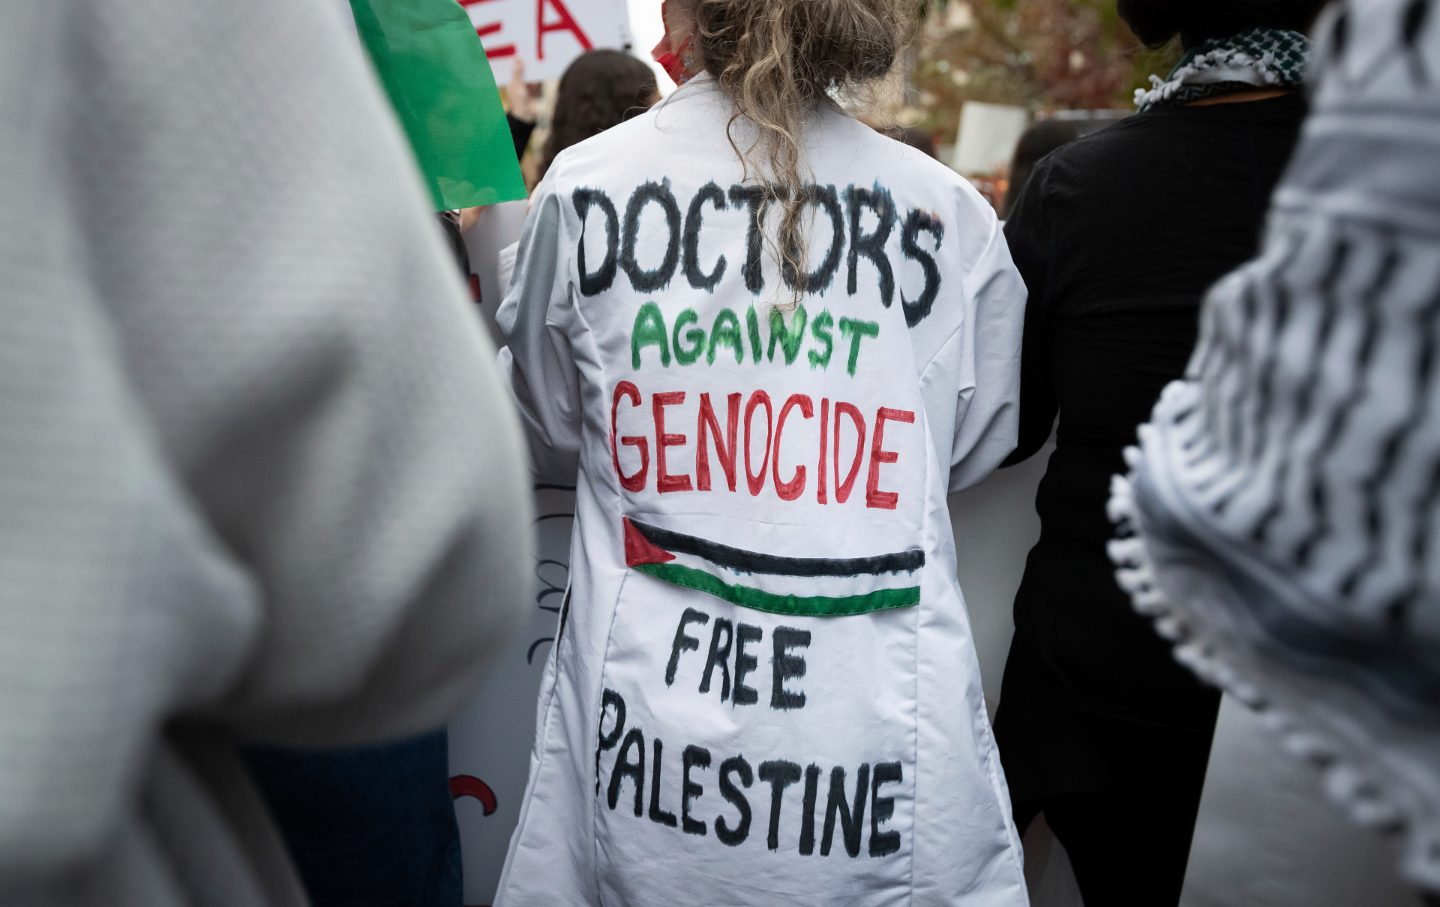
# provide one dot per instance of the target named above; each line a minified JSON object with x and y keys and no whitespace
{"x":303,"y":354}
{"x":971,"y":386}
{"x":117,"y":607}
{"x":260,"y":477}
{"x":539,"y":360}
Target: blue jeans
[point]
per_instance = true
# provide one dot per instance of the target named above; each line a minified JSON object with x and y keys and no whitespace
{"x":367,"y":827}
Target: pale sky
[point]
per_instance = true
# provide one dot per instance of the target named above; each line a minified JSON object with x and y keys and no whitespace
{"x":647,"y":28}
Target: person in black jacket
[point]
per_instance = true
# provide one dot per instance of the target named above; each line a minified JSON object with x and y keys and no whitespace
{"x":1118,"y":236}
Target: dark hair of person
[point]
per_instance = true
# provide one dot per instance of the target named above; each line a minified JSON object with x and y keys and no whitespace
{"x":1156,"y":22}
{"x":1038,"y":141}
{"x":602,"y":88}
{"x":774,"y":59}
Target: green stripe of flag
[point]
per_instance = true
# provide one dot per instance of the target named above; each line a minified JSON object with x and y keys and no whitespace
{"x":434,"y":69}
{"x":796,"y":605}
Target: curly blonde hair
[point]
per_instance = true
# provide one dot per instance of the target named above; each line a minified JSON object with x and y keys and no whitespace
{"x":776,"y":59}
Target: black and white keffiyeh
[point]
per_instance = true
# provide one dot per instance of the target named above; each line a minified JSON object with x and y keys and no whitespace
{"x":1257,"y":58}
{"x":1281,"y":519}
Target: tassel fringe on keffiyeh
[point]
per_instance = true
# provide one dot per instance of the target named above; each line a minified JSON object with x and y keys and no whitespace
{"x":1258,"y":58}
{"x":1280,"y":522}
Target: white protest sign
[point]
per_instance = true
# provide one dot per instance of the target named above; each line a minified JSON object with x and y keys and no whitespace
{"x":490,"y":739}
{"x":988,"y":136}
{"x":546,"y":34}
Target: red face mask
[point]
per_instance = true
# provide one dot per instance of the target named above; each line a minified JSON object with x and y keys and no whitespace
{"x":671,"y":58}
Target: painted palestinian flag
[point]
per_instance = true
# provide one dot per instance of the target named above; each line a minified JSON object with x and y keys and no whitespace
{"x":803,"y":586}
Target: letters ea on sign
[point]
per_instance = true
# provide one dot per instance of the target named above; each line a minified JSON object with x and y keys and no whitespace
{"x":546,"y":34}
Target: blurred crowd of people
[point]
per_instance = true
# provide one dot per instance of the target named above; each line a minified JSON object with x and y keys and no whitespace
{"x":265,"y":491}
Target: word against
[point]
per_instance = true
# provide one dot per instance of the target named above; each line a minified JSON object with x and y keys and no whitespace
{"x":546,"y":34}
{"x":691,"y":342}
{"x":672,"y":791}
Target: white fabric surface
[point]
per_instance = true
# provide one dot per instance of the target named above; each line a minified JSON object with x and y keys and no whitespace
{"x":899,"y":685}
{"x":258,"y":479}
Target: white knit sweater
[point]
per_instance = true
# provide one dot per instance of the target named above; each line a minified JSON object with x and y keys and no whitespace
{"x":258,"y":480}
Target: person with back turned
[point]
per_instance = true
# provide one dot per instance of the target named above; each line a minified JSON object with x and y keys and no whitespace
{"x":771,"y":340}
{"x":1118,"y":236}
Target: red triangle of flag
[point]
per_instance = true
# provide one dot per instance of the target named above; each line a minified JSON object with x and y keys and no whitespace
{"x":640,"y":550}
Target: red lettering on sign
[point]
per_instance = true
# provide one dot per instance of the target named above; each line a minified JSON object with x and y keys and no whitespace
{"x":843,"y":489}
{"x":792,"y":489}
{"x":756,"y":480}
{"x":635,"y":481}
{"x":471,"y":786}
{"x":874,"y":497}
{"x":709,"y":426}
{"x":664,"y":481}
{"x":766,"y":426}
{"x":488,"y":29}
{"x":563,"y":22}
{"x":821,"y":494}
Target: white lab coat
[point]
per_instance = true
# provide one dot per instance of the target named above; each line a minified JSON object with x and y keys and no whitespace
{"x":765,"y":688}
